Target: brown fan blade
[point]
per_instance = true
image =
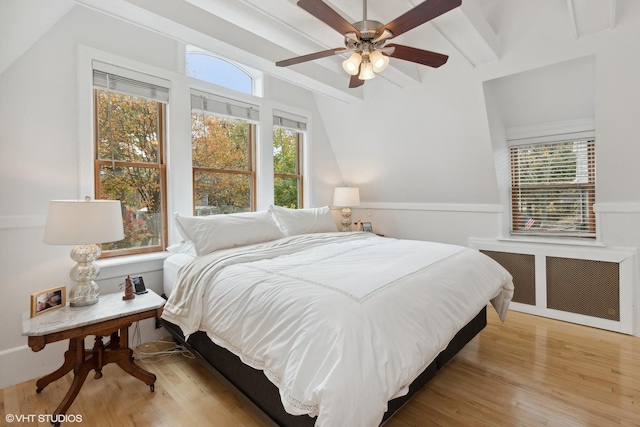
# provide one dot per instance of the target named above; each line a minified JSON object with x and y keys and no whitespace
{"x":420,"y":14}
{"x":309,"y":57}
{"x":323,"y":12}
{"x":355,"y":82}
{"x":412,"y":54}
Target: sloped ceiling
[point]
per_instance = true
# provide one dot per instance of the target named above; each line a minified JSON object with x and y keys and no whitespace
{"x":22,"y":23}
{"x":261,"y":32}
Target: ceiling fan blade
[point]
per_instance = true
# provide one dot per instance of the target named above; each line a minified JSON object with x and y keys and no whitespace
{"x":323,"y":12}
{"x":310,"y":57}
{"x":412,"y":54}
{"x":424,"y":12}
{"x":355,"y":82}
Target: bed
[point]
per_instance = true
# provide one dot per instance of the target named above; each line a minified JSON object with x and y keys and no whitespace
{"x":324,"y":328}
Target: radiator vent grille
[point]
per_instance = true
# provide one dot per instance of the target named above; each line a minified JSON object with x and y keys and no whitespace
{"x":591,"y":288}
{"x":523,"y":269}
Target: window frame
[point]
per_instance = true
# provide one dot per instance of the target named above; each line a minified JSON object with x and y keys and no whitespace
{"x":518,"y":218}
{"x":256,"y":76}
{"x":251,"y":171}
{"x":299,"y":176}
{"x":160,"y":166}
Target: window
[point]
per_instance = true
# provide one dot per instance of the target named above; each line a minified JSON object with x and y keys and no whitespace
{"x":553,"y":188}
{"x":203,"y":66}
{"x":287,"y":155}
{"x":223,"y":134}
{"x":129,"y":158}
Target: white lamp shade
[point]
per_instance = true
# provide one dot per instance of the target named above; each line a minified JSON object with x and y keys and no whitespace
{"x":82,"y":222}
{"x":346,"y":197}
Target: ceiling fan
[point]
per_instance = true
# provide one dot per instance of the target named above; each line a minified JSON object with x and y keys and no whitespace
{"x":366,"y":39}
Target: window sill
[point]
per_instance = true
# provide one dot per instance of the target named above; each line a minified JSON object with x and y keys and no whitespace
{"x":132,"y":259}
{"x":553,"y":241}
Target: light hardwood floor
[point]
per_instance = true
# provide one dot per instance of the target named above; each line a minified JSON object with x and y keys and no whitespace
{"x":529,"y":371}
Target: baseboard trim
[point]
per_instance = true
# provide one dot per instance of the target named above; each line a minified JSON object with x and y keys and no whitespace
{"x":22,"y":364}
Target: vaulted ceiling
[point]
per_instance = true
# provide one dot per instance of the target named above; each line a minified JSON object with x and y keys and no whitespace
{"x":260,"y":32}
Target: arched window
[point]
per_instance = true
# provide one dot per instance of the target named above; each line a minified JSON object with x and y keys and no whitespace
{"x":206,"y":67}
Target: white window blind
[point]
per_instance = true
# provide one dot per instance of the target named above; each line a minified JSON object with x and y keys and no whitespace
{"x":289,"y":121}
{"x":224,"y":107}
{"x":553,"y":188}
{"x":129,"y":82}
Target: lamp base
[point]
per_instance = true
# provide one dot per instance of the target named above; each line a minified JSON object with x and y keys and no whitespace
{"x":85,"y":291}
{"x":346,"y":219}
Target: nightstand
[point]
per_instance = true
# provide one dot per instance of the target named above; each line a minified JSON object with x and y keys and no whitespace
{"x":110,"y":317}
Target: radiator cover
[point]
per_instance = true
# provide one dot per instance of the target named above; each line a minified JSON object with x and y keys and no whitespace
{"x":584,"y":287}
{"x":523,"y":269}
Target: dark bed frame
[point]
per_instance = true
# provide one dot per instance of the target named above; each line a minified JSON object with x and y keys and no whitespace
{"x":264,"y":396}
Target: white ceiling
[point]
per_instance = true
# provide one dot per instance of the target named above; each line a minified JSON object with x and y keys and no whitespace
{"x":261,"y":32}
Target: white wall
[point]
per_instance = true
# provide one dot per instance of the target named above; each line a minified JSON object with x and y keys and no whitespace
{"x":44,"y":140}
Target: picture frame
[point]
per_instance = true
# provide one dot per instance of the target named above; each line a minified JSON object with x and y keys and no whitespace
{"x":366,"y":226}
{"x":48,"y":300}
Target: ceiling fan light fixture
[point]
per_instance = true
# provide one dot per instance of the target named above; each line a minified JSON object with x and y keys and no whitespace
{"x":352,"y":64}
{"x":366,"y":71}
{"x":379,"y":61}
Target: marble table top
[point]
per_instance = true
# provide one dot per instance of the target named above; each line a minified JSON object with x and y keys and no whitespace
{"x":109,"y":306}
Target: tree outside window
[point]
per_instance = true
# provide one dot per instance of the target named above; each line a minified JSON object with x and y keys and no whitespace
{"x":286,"y":165}
{"x":129,"y":167}
{"x":223,"y":167}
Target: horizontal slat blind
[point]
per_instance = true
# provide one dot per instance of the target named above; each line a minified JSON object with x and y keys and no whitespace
{"x":289,"y":121}
{"x":553,"y":188}
{"x":224,"y":107}
{"x":127,"y":86}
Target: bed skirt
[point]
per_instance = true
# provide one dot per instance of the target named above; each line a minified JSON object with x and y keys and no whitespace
{"x":264,"y":395}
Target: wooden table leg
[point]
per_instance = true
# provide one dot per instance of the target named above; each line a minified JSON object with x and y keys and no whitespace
{"x":67,"y":365}
{"x":80,"y":372}
{"x":76,"y":358}
{"x":124,"y":359}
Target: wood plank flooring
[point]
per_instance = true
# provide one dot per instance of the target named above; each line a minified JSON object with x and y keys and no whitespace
{"x":529,"y":371}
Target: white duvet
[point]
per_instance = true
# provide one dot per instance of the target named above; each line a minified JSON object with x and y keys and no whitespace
{"x":340,"y":322}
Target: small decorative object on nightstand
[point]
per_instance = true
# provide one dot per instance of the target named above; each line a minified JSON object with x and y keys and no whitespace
{"x":128,"y":289}
{"x":346,"y":198}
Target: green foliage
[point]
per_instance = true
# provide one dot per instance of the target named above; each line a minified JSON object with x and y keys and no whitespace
{"x":285,"y":161}
{"x":222,"y":164}
{"x":129,"y":169}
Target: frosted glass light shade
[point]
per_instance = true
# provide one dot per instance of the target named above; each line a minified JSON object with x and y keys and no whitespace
{"x":366,"y":71}
{"x":379,"y":61}
{"x":352,"y":64}
{"x":346,"y":197}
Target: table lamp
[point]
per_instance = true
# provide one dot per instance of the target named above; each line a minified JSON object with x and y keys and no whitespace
{"x":84,"y":223}
{"x":346,"y":198}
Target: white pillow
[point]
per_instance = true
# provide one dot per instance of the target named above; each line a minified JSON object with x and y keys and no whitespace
{"x":210,"y":233}
{"x":184,"y":247}
{"x":301,"y":221}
